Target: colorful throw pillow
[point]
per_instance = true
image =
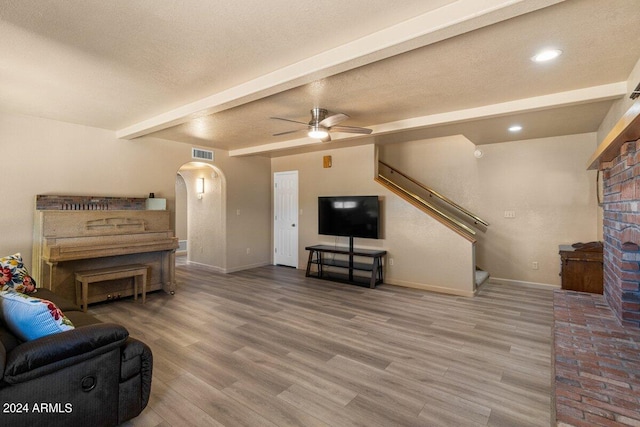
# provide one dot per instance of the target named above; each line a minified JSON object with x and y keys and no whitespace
{"x":14,"y":275}
{"x":30,"y":318}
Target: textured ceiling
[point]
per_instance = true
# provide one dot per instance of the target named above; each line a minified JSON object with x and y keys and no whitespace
{"x":419,"y":68}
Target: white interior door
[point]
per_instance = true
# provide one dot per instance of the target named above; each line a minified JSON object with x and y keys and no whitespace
{"x":285,"y":251}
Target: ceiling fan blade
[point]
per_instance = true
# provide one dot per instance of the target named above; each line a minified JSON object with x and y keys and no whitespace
{"x":351,"y":129}
{"x":333,"y":120}
{"x":327,"y":123}
{"x":288,"y":120}
{"x":288,"y":132}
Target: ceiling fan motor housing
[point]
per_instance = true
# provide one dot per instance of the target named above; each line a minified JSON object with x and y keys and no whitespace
{"x":317,"y":115}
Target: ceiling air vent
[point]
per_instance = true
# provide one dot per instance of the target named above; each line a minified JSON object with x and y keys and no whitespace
{"x":199,"y":154}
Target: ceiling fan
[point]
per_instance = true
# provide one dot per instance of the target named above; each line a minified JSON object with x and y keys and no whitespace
{"x":321,"y":124}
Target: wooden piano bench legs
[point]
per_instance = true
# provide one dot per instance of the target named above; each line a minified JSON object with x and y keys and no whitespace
{"x":84,"y":278}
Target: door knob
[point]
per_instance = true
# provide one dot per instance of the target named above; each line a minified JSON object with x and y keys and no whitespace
{"x":293,"y":225}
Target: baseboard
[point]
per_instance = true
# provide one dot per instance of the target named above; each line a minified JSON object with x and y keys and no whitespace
{"x":246,"y":267}
{"x":522,"y":283}
{"x":431,"y":288}
{"x":229,"y":270}
{"x":210,"y":267}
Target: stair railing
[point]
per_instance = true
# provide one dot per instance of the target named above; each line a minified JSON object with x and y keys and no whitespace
{"x":456,"y":207}
{"x":428,"y":205}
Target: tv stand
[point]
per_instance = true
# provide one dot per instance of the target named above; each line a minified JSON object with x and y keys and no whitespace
{"x":346,"y":267}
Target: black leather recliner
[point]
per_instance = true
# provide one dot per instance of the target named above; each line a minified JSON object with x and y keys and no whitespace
{"x":93,"y":375}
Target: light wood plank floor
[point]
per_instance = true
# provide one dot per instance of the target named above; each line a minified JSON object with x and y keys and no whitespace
{"x":269,"y":347}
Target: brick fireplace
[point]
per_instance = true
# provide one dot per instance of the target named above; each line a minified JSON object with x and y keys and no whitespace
{"x":621,"y":205}
{"x":596,"y":338}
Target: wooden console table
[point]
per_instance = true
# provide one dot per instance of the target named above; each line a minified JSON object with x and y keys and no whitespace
{"x":348,"y":265}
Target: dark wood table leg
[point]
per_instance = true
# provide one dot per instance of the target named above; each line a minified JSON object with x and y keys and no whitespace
{"x":374,"y":272}
{"x":309,"y":263}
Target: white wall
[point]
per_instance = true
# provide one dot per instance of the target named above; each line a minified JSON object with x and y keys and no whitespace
{"x":426,"y":254}
{"x":620,"y":106}
{"x":544,"y":181}
{"x":181,"y":209}
{"x":248,"y":211}
{"x":206,"y":217}
{"x":49,"y":157}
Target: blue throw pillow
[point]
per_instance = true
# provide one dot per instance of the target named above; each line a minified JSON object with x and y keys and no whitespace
{"x":30,"y":318}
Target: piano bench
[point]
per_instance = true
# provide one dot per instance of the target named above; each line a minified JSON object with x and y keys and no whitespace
{"x":83,"y":278}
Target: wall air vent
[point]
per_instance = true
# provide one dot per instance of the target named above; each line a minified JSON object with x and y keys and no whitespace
{"x":199,"y":154}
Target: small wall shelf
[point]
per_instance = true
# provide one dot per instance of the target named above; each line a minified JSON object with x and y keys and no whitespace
{"x":346,"y":266}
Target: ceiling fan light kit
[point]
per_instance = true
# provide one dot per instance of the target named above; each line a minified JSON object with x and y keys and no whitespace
{"x":321,"y":124}
{"x":318,"y":132}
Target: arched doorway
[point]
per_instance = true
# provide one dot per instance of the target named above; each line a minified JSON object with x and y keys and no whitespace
{"x":201,"y":213}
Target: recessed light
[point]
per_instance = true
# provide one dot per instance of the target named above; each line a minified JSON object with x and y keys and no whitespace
{"x":546,"y":55}
{"x":515,"y":128}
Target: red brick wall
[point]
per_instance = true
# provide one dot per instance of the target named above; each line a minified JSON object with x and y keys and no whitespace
{"x":621,"y":184}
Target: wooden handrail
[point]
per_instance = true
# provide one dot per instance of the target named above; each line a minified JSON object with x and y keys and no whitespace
{"x":446,"y":200}
{"x":418,"y":201}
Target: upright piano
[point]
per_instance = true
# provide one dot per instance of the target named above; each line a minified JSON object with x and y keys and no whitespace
{"x":66,"y":241}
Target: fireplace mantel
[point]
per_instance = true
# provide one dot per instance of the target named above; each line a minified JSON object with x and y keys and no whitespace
{"x":627,"y":129}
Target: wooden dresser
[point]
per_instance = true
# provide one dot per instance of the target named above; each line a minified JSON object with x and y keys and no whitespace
{"x":581,"y":267}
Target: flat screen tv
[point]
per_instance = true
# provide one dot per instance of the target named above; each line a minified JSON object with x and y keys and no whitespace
{"x":351,"y":216}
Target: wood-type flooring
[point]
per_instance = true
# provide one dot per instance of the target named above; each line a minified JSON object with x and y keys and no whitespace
{"x":270,"y":347}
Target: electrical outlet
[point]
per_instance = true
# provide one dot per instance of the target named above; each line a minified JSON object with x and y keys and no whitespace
{"x":390,"y":261}
{"x":534,"y":265}
{"x":509,"y":214}
{"x":248,"y":251}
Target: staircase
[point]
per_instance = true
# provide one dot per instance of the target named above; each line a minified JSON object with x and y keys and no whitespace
{"x":481,"y":277}
{"x":451,"y":215}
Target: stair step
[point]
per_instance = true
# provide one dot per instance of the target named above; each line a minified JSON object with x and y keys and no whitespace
{"x":481,"y":277}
